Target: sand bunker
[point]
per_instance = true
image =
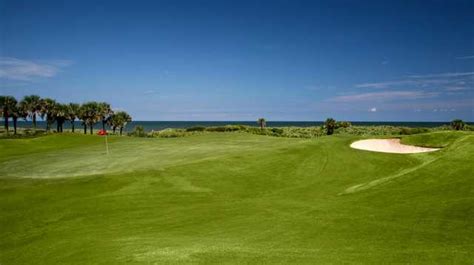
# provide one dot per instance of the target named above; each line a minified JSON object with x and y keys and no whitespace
{"x":389,"y":146}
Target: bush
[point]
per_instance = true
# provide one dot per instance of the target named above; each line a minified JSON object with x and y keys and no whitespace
{"x":343,"y":124}
{"x":196,"y":129}
{"x":290,"y":132}
{"x":169,"y":133}
{"x":410,"y":131}
{"x":226,"y":128}
{"x":458,"y":124}
{"x":138,"y":131}
{"x":369,"y":130}
{"x":469,"y":127}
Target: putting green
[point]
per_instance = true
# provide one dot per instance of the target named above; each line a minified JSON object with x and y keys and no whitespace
{"x":235,"y":198}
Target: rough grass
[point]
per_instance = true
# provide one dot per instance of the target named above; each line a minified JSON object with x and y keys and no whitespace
{"x":434,"y":139}
{"x":229,"y":198}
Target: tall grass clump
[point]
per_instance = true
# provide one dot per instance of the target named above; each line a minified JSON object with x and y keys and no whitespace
{"x":138,"y":131}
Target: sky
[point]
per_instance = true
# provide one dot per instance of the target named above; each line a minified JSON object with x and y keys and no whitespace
{"x":241,"y":60}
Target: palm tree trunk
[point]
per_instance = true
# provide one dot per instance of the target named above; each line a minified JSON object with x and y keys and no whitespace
{"x":58,"y":126}
{"x":91,"y":128}
{"x":85,"y":128}
{"x":72,"y":126}
{"x":103,"y":125}
{"x":47,"y":124}
{"x":14,"y":124}
{"x":34,"y":121}
{"x":5,"y":113}
{"x":113,"y":129}
{"x":121,"y":128}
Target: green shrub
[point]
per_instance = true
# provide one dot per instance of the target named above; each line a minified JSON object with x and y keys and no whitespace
{"x":196,"y":129}
{"x":369,"y":130}
{"x":343,"y":124}
{"x":469,"y":127}
{"x":410,"y":131}
{"x":458,"y":124}
{"x":169,"y":133}
{"x":226,"y":128}
{"x":290,"y":132}
{"x":138,"y":131}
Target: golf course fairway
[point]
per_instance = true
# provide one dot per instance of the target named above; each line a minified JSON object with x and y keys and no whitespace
{"x":235,"y":198}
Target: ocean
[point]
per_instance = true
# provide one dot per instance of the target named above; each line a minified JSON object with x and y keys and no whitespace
{"x":160,"y":125}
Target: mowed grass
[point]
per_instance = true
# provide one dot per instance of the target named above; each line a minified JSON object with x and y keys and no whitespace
{"x":232,"y":198}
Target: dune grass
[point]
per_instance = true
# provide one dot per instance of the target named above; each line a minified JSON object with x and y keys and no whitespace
{"x":234,"y":198}
{"x":434,"y":139}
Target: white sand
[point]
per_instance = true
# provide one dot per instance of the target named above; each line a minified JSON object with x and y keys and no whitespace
{"x":389,"y":146}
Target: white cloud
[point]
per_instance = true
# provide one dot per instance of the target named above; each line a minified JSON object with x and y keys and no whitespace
{"x":384,"y":96}
{"x":440,"y":82}
{"x":150,"y":92}
{"x":466,"y":57}
{"x":374,"y":109}
{"x":386,"y":84}
{"x":456,"y":88}
{"x":23,"y":70}
{"x":442,"y":75}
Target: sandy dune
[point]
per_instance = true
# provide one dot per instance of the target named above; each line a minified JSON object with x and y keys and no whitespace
{"x":389,"y":146}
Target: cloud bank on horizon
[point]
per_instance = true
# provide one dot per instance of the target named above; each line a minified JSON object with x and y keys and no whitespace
{"x":239,"y":61}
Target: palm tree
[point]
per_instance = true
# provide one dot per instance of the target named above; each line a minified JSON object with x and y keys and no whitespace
{"x":262,"y":122}
{"x":60,"y":115}
{"x":458,"y":124}
{"x":90,"y":115}
{"x":82,"y":115}
{"x":119,"y":120}
{"x":330,"y":125}
{"x":18,"y":112}
{"x":7,"y":105}
{"x":104,"y":111}
{"x":72,"y":113}
{"x":31,"y":104}
{"x":47,"y":110}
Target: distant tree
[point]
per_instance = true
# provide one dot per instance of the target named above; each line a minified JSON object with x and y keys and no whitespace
{"x":458,"y":124}
{"x":330,"y":125}
{"x":119,"y":120}
{"x":262,"y":123}
{"x":82,"y":115}
{"x":90,"y":115}
{"x":104,"y":111}
{"x":60,"y":115}
{"x":32,"y":105}
{"x":7,"y":106}
{"x":72,"y":113}
{"x":17,"y":113}
{"x":48,"y":106}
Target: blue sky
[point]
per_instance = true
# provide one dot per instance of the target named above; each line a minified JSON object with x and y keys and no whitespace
{"x":240,"y":60}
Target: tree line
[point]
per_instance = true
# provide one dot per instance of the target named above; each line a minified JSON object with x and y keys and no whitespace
{"x":31,"y":107}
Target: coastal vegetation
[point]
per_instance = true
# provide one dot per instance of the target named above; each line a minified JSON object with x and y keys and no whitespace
{"x":51,"y":111}
{"x":336,"y":127}
{"x":89,"y":114}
